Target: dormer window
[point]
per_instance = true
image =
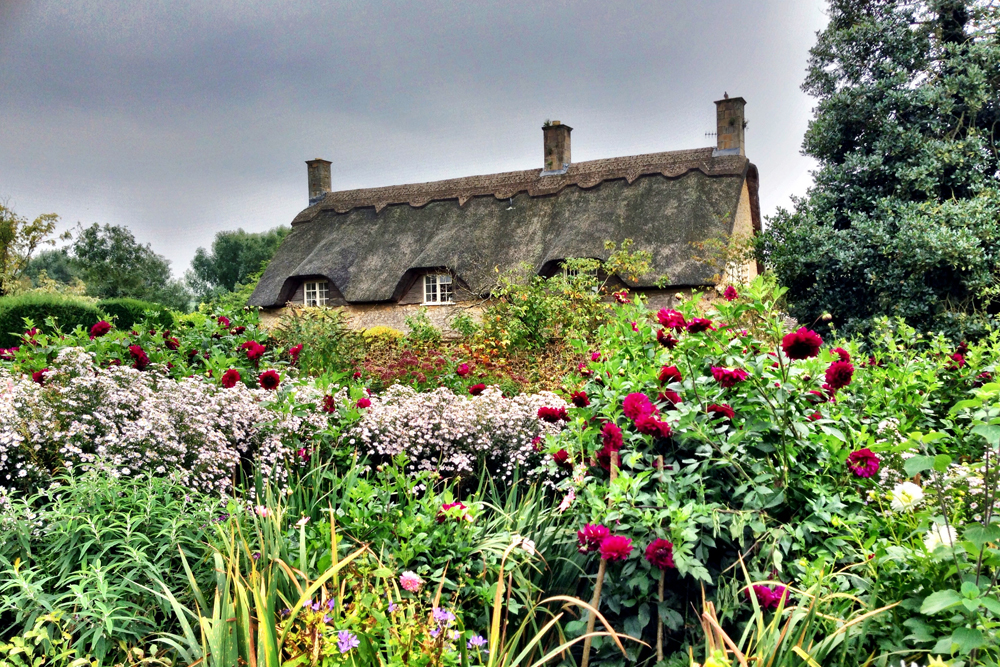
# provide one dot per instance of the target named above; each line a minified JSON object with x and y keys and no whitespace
{"x":315,"y":293}
{"x":438,"y":288}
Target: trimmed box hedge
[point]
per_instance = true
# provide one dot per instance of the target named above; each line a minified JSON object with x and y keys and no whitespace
{"x":127,"y":312}
{"x":67,"y":312}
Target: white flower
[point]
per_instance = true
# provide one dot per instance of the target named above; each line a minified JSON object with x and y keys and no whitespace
{"x":567,"y":501}
{"x":261,"y":511}
{"x":940,"y":534}
{"x":906,"y":496}
{"x":303,"y":521}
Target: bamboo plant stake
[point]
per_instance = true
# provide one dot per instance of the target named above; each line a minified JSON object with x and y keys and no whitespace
{"x":659,"y":621}
{"x":595,"y":602}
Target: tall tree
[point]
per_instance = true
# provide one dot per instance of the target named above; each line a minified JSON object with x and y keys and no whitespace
{"x":904,"y":216}
{"x":19,"y":239}
{"x":113,"y":264}
{"x":235,"y":256}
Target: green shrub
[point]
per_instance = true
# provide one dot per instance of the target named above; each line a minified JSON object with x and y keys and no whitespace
{"x":68,"y":313}
{"x":128,"y":312}
{"x":328,"y":345}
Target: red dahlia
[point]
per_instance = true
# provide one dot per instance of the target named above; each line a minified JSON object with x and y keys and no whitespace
{"x":863,"y":462}
{"x":295,"y":351}
{"x":364,"y":402}
{"x":140,"y":359}
{"x":838,"y":375}
{"x":329,"y":404}
{"x":722,"y":411}
{"x":589,"y":539}
{"x":39,"y":376}
{"x":841,"y":353}
{"x":660,"y":553}
{"x":670,"y":397}
{"x":552,"y":415}
{"x":670,"y":374}
{"x":729,"y":377}
{"x":270,"y":380}
{"x":611,"y":437}
{"x":580,"y":399}
{"x":671,"y":319}
{"x":100,"y":329}
{"x":462,"y":370}
{"x":699,"y":324}
{"x":650,"y":425}
{"x":730,"y":294}
{"x":665,"y":339}
{"x":477,"y":389}
{"x":801,"y":344}
{"x":223,"y":321}
{"x":615,"y":547}
{"x":563,"y":460}
{"x":637,"y":404}
{"x":230,"y":378}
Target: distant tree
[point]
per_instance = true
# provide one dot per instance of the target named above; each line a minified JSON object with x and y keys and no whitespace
{"x":19,"y":240}
{"x":56,"y":263}
{"x":113,"y":264}
{"x":235,"y":256}
{"x":904,"y":216}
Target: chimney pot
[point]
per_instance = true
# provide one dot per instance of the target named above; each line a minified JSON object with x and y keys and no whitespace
{"x":319,"y":179}
{"x":556,"y":158}
{"x":730,"y":126}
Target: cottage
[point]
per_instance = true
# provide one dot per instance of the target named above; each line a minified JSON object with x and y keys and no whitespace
{"x":383,"y":253}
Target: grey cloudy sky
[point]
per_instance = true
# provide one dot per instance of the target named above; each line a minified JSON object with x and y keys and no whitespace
{"x":179,"y":119}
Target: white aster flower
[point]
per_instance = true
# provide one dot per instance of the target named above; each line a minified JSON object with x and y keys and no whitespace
{"x":906,"y":496}
{"x":940,"y":534}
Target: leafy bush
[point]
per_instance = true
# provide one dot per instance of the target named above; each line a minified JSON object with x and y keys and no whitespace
{"x":68,"y":313}
{"x":126,"y":313}
{"x":328,"y":344}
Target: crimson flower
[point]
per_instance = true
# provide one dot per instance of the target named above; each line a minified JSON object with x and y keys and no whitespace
{"x":462,"y":370}
{"x":841,"y":353}
{"x":769,"y":598}
{"x":7,"y":354}
{"x":957,"y":361}
{"x":615,"y":547}
{"x":980,"y":380}
{"x":295,"y":351}
{"x":223,"y":321}
{"x":801,"y":344}
{"x":595,"y":356}
{"x":563,"y":460}
{"x":253,"y":349}
{"x":699,"y":324}
{"x":721,"y":411}
{"x":230,"y":378}
{"x":660,"y":553}
{"x":729,"y":377}
{"x":39,"y":376}
{"x":637,"y":404}
{"x":670,"y":374}
{"x":730,"y":294}
{"x":100,"y":329}
{"x":238,"y":331}
{"x":671,"y":319}
{"x":329,"y":404}
{"x":611,"y":437}
{"x":140,"y":359}
{"x":172,"y":343}
{"x":583,"y":370}
{"x":364,"y":402}
{"x":580,"y":399}
{"x":838,"y":375}
{"x":650,"y":425}
{"x":816,"y":416}
{"x":665,"y":339}
{"x":589,"y":539}
{"x":357,"y":375}
{"x":536,"y":443}
{"x":477,"y":389}
{"x":270,"y":380}
{"x":622,"y":297}
{"x":448,"y":507}
{"x":552,"y":415}
{"x":670,"y":397}
{"x":863,"y":462}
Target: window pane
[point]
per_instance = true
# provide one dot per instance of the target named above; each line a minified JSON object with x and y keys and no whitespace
{"x":430,"y":289}
{"x":446,"y":291}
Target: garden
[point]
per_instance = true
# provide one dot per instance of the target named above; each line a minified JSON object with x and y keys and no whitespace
{"x":578,"y":481}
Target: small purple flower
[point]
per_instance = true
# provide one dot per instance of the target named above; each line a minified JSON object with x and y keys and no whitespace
{"x":443,"y":616}
{"x":331,"y":603}
{"x":392,"y":607}
{"x":317,"y":606}
{"x":327,"y":618}
{"x":255,"y":555}
{"x":346,"y":640}
{"x":435,"y":632}
{"x":307,"y":603}
{"x":477,"y":641}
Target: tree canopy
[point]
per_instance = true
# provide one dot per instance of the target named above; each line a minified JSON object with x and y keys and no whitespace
{"x":19,"y":240}
{"x":904,"y":216}
{"x":234,"y":257}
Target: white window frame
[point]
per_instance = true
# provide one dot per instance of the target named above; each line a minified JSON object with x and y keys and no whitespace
{"x":315,"y":293}
{"x":439,"y":289}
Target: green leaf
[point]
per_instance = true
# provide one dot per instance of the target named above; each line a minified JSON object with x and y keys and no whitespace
{"x":939,"y":601}
{"x":382,"y":573}
{"x":918,"y":464}
{"x":980,"y":535}
{"x":941,"y":462}
{"x":969,"y":589}
{"x":967,"y":639}
{"x":990,"y":432}
{"x":991,"y":603}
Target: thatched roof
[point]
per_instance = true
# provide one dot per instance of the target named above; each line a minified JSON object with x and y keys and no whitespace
{"x":369,"y":242}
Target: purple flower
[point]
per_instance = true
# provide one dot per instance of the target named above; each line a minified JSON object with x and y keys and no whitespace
{"x":392,"y":607}
{"x":331,"y":603}
{"x":346,"y":641}
{"x":443,"y":616}
{"x":477,"y":642}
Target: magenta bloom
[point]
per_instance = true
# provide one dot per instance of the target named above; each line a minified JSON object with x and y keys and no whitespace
{"x":730,"y":294}
{"x":650,"y":425}
{"x":364,"y":402}
{"x":595,"y":356}
{"x":253,"y":349}
{"x":670,"y":374}
{"x":769,"y":598}
{"x":230,"y":378}
{"x":722,"y":411}
{"x":580,"y":399}
{"x":223,"y":321}
{"x":589,"y":539}
{"x":841,"y":353}
{"x":637,"y":404}
{"x":839,"y":374}
{"x":295,"y":351}
{"x":615,"y":547}
{"x":863,"y":462}
{"x":443,"y":512}
{"x":462,"y":370}
{"x":100,"y":329}
{"x":611,"y":436}
{"x":729,"y":377}
{"x":477,"y":389}
{"x":671,"y":319}
{"x":699,"y":324}
{"x":670,"y":397}
{"x":660,"y":553}
{"x":552,"y":415}
{"x":140,"y":359}
{"x":270,"y":380}
{"x":665,"y":339}
{"x":801,"y":344}
{"x":39,"y":376}
{"x":563,"y":460}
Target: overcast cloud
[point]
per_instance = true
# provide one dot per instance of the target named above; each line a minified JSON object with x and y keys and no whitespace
{"x":181,"y":119}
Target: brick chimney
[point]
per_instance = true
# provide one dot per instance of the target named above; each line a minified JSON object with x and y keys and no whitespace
{"x":556,"y":159}
{"x":319,"y":179}
{"x":730,"y":126}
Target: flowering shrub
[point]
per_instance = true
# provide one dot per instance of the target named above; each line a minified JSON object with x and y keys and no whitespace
{"x":455,"y":434}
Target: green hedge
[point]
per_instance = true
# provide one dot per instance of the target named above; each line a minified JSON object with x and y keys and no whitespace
{"x":126,"y":312}
{"x":68,"y":313}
